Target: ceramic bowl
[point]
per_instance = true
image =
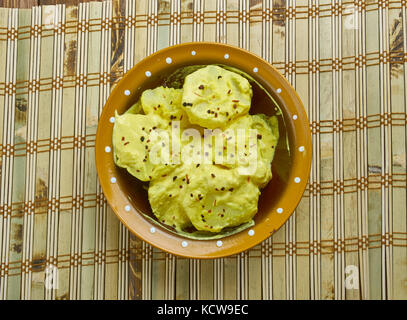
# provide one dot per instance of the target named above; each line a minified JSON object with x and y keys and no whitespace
{"x":278,"y":200}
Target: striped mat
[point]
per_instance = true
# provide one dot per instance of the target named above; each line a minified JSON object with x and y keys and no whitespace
{"x":348,"y":237}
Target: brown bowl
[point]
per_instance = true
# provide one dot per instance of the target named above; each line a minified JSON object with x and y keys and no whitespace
{"x":278,"y":200}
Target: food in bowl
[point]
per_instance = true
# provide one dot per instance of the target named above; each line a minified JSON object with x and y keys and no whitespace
{"x":204,"y":157}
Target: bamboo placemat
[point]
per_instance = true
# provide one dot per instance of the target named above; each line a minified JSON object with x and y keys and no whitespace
{"x":347,"y":238}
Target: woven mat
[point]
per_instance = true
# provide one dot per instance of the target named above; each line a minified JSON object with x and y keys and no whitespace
{"x":348,"y":237}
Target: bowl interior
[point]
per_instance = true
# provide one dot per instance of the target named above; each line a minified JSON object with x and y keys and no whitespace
{"x":261,"y":103}
{"x":281,"y":192}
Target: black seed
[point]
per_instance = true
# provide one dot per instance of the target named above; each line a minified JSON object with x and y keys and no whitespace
{"x":142,"y":139}
{"x":213,"y":176}
{"x":201,"y":87}
{"x":219,"y":77}
{"x":231,"y":189}
{"x":259,"y":136}
{"x":174,"y":178}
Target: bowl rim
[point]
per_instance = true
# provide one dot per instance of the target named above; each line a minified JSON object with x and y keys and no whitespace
{"x":290,"y":104}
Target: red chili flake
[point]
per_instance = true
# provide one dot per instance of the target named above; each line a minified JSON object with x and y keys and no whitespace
{"x":123,"y":139}
{"x":181,"y":117}
{"x":213,"y":176}
{"x":148,"y":141}
{"x":197,"y":165}
{"x":126,"y":143}
{"x":150,"y":177}
{"x":154,"y":108}
{"x":235,"y":100}
{"x":137,"y":170}
{"x":187,"y":179}
{"x":213,"y":97}
{"x":170,"y":102}
{"x":234,"y":106}
{"x":209,"y":211}
{"x":219,"y":77}
{"x":248,"y":179}
{"x":158,"y":106}
{"x":229,"y":91}
{"x":164,"y":175}
{"x":216,"y":115}
{"x":214,"y":203}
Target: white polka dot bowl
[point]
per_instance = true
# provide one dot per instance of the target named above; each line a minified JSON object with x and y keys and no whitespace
{"x":128,"y":198}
